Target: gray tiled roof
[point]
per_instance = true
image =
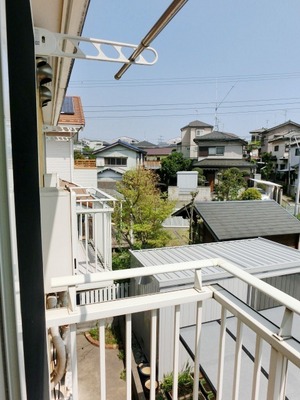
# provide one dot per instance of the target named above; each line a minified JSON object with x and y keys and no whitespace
{"x":220,"y":136}
{"x":246,"y":219}
{"x":221,"y":162}
{"x":197,"y":124}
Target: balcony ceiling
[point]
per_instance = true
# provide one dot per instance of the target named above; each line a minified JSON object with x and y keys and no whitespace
{"x":62,"y":17}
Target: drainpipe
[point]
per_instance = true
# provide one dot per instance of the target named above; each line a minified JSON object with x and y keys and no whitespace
{"x":59,"y":345}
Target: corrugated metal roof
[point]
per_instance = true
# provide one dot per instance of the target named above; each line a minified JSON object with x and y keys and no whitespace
{"x":256,"y":256}
{"x":246,"y":219}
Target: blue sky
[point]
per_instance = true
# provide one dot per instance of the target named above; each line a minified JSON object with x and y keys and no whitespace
{"x":239,"y":55}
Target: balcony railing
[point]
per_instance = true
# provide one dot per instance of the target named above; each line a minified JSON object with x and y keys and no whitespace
{"x":91,"y":211}
{"x":85,"y":163}
{"x":284,"y":351}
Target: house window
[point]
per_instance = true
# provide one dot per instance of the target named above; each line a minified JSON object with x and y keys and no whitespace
{"x":199,"y":132}
{"x":216,"y":151}
{"x":276,"y":148}
{"x":203,"y":151}
{"x":116,"y":161}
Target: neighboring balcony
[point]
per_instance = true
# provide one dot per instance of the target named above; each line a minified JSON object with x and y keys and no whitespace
{"x":78,"y":163}
{"x":76,"y":231}
{"x":152,"y":164}
{"x":241,"y":355}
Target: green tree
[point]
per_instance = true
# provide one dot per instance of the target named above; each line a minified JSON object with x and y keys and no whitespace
{"x":230,"y":182}
{"x":250,"y":194}
{"x":268,"y":169}
{"x":170,"y":165}
{"x":139,"y":215}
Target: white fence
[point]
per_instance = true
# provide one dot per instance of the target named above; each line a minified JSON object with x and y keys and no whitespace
{"x":113,"y":292}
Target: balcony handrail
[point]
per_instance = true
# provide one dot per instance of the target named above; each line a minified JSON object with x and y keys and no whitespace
{"x":288,"y":301}
{"x":100,"y":277}
{"x":283,"y":346}
{"x":92,"y":192}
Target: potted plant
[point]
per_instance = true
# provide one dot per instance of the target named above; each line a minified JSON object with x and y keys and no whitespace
{"x":185,"y":384}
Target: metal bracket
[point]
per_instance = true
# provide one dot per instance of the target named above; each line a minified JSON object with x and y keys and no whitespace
{"x":61,"y":129}
{"x":60,"y":45}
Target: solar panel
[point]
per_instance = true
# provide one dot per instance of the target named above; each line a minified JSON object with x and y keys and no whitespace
{"x":67,"y":107}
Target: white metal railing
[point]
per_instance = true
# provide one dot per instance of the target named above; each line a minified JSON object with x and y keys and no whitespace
{"x":91,"y":229}
{"x":285,"y":350}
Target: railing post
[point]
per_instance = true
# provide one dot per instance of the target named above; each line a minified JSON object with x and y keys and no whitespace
{"x":102,"y":359}
{"x":237,"y":362}
{"x":73,"y":331}
{"x":153,"y":353}
{"x":176,"y":351}
{"x":257,"y":369}
{"x":221,"y":354}
{"x":277,"y":376}
{"x":128,"y":356}
{"x":197,"y":350}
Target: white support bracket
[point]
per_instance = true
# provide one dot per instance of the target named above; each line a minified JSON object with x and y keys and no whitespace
{"x":62,"y":45}
{"x":67,"y":129}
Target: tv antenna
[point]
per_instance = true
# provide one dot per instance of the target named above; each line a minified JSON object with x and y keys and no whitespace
{"x":216,"y":127}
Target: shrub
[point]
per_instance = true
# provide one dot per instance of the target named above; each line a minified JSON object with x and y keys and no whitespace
{"x":250,"y":194}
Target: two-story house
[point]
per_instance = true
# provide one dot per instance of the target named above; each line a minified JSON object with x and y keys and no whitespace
{"x":217,"y":151}
{"x":265,"y":135}
{"x":115,"y":159}
{"x":193,"y":130}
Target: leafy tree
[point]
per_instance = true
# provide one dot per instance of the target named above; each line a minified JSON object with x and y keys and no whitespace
{"x":230,"y":182}
{"x":250,"y":194}
{"x":268,"y":169}
{"x":85,"y":153}
{"x":170,"y":165}
{"x":138,"y":217}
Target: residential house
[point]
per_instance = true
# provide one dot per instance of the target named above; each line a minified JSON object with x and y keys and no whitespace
{"x":217,"y":221}
{"x":286,"y":159}
{"x":155,"y":155}
{"x":266,"y":135}
{"x":60,"y":144}
{"x":36,"y":360}
{"x":217,"y":151}
{"x":189,"y":132}
{"x":114,"y":160}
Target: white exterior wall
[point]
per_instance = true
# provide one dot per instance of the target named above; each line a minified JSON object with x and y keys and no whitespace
{"x":233,"y":151}
{"x":59,"y":159}
{"x":280,"y":153}
{"x":188,"y":147}
{"x":204,"y":194}
{"x":120,"y":151}
{"x":85,"y":177}
{"x":56,"y":234}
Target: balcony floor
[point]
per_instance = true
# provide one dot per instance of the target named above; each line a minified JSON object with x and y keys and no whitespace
{"x":88,"y":372}
{"x":86,"y":263}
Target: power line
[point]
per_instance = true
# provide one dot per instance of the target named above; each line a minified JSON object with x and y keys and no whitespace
{"x":190,"y":103}
{"x":191,"y":114}
{"x":183,"y":81}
